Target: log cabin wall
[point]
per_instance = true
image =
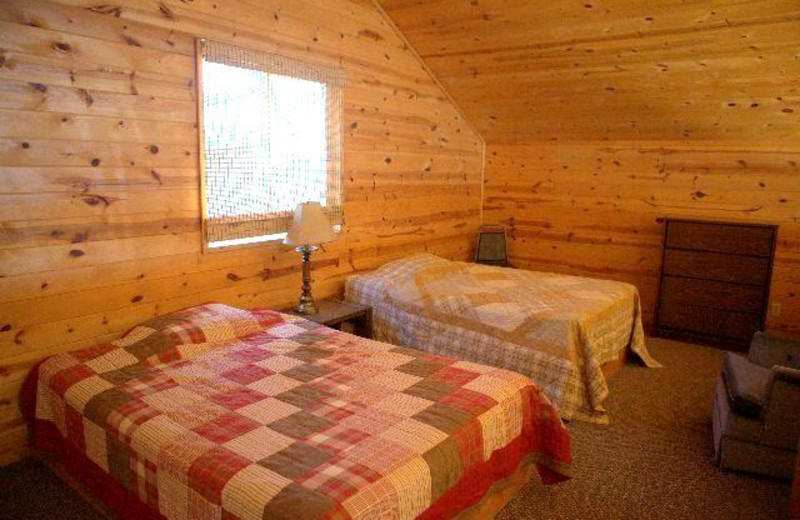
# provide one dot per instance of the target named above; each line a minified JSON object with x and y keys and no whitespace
{"x":602,"y":116}
{"x":100,"y":213}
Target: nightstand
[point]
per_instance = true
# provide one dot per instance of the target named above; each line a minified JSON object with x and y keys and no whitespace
{"x":333,"y":313}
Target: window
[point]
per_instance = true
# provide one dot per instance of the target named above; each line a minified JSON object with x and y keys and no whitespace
{"x":270,"y":139}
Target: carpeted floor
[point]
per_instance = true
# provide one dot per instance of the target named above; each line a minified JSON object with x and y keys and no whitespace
{"x":653,"y":462}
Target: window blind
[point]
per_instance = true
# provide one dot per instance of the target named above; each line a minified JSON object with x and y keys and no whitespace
{"x":272,"y":138}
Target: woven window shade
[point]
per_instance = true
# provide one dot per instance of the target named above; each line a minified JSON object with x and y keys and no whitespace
{"x":272,"y":138}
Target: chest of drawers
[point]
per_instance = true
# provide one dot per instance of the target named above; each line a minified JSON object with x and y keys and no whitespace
{"x":715,"y":280}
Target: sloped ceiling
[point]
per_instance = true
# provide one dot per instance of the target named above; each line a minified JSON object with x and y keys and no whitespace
{"x":526,"y":70}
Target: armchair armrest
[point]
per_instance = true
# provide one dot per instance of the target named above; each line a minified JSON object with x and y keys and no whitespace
{"x":787,"y":374}
{"x":768,"y":351}
{"x":781,"y":412}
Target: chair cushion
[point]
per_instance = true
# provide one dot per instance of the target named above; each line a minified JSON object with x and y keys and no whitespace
{"x":747,"y":383}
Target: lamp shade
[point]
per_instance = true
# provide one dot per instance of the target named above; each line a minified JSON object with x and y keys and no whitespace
{"x":310,"y":226}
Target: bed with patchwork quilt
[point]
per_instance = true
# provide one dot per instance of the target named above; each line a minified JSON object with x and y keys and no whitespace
{"x":221,"y":413}
{"x":558,"y":330}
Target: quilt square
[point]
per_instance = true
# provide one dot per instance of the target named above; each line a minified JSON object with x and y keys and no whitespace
{"x":469,"y":401}
{"x":91,"y":353}
{"x":296,"y":461}
{"x":247,"y":374}
{"x":226,"y":427}
{"x":403,"y":404}
{"x":430,"y":389}
{"x":212,"y":470}
{"x":414,"y":435}
{"x":308,"y":353}
{"x":301,"y":425}
{"x":340,"y":478}
{"x":259,"y":443}
{"x":334,"y":384}
{"x":303,"y":396}
{"x":82,"y":391}
{"x":314,"y":504}
{"x":268,"y":410}
{"x":306,"y":372}
{"x":274,"y":385}
{"x":238,"y":398}
{"x":196,"y":413}
{"x":372,"y":421}
{"x":149,"y":383}
{"x":64,"y":379}
{"x":379,"y":454}
{"x":254,"y":353}
{"x":128,"y":416}
{"x":454,"y":375}
{"x":335,"y":409}
{"x":100,"y":406}
{"x":110,"y":359}
{"x":419,"y":367}
{"x":279,"y":364}
{"x":249,"y":490}
{"x":336,"y":439}
{"x":443,"y":417}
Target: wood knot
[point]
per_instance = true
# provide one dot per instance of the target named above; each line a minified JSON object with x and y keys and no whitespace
{"x":165,"y":11}
{"x":107,"y":9}
{"x":137,"y":298}
{"x":372,"y":35}
{"x":130,"y":40}
{"x":153,"y":149}
{"x":38,"y":87}
{"x":95,"y":162}
{"x":76,"y":253}
{"x":62,"y":47}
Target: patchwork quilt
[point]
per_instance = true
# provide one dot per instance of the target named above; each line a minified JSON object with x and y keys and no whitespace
{"x":558,"y":330}
{"x":219,"y":413}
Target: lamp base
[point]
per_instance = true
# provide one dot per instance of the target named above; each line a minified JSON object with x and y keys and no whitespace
{"x":306,"y":305}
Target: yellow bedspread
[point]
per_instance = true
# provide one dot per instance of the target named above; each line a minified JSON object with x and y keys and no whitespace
{"x":557,"y":329}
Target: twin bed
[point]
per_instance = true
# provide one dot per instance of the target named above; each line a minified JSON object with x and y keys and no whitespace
{"x":561,"y":331}
{"x":221,"y":413}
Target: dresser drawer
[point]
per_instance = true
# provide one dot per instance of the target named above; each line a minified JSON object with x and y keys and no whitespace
{"x":720,"y":238}
{"x":708,"y":293}
{"x":693,"y":320}
{"x":721,"y":267}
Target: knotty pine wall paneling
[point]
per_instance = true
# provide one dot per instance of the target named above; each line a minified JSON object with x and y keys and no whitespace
{"x":602,"y":116}
{"x":99,"y":182}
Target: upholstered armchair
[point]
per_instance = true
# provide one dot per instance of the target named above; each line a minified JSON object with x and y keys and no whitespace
{"x":756,"y":416}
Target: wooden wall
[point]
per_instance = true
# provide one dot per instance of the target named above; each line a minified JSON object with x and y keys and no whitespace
{"x":595,"y":209}
{"x":602,"y":116}
{"x":99,"y":202}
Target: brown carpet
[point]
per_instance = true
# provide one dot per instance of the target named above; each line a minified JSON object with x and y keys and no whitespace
{"x":653,"y":462}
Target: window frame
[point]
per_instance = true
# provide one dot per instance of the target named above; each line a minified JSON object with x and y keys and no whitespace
{"x":335,"y":111}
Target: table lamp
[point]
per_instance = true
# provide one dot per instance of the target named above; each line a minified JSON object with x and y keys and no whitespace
{"x":310,"y":227}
